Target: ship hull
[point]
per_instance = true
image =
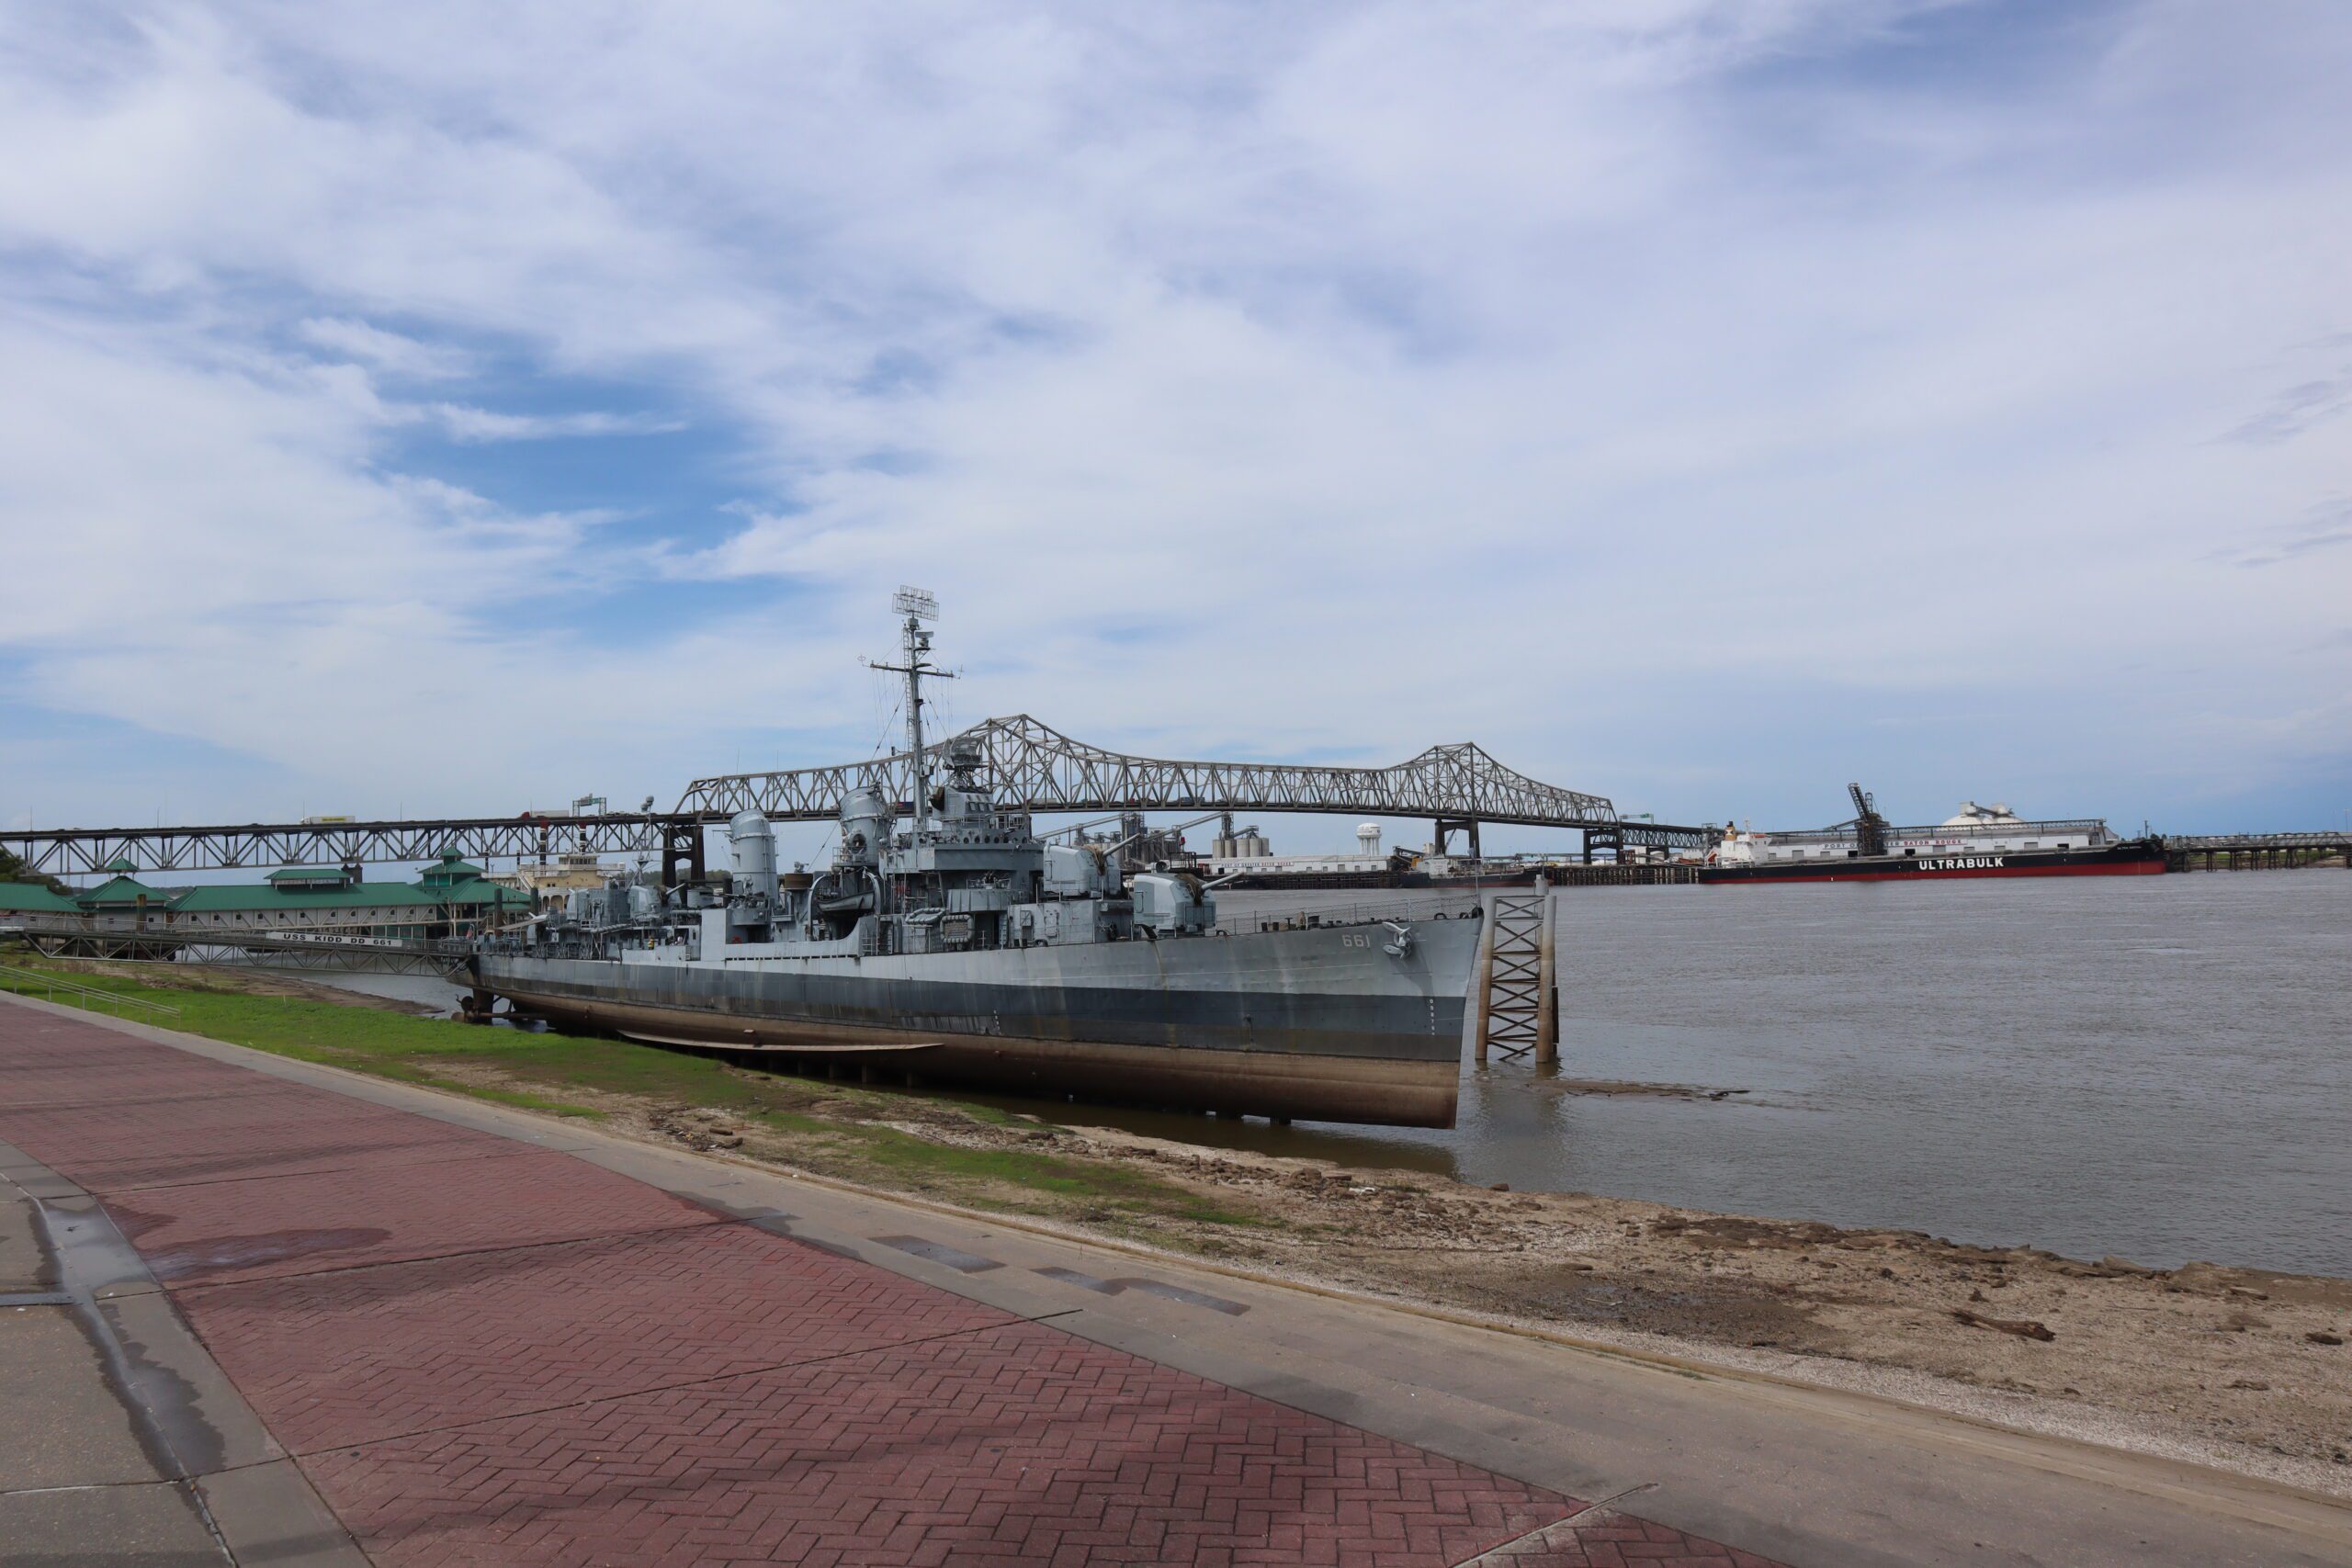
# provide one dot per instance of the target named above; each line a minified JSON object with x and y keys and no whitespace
{"x":2139,"y":858}
{"x":1317,"y":1024}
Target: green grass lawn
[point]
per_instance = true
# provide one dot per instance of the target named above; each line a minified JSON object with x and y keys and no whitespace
{"x":369,"y":1040}
{"x":833,"y":1128}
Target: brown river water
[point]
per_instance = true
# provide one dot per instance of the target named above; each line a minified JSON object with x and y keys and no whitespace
{"x":2153,"y":1068}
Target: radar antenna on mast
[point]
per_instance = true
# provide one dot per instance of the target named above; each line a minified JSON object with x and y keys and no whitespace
{"x":914,"y":642}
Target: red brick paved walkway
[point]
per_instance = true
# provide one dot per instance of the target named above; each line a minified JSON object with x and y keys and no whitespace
{"x":481,"y":1352}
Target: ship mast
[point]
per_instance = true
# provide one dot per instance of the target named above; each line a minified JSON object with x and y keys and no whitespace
{"x":917,"y":607}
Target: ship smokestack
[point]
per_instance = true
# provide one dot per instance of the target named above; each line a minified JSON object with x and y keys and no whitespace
{"x":752,"y":842}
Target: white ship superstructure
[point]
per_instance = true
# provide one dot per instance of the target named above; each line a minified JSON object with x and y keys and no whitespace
{"x":1976,"y":840}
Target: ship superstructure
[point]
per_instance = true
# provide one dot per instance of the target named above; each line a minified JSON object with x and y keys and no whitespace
{"x":1974,"y":841}
{"x":945,"y":940}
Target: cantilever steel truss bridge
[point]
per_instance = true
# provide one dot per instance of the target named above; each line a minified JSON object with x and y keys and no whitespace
{"x":1028,"y":763}
{"x":1033,"y":764}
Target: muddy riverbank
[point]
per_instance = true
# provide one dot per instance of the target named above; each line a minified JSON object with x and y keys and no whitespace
{"x":2240,"y":1367}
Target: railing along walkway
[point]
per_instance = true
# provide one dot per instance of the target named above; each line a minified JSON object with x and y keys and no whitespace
{"x":15,"y":980}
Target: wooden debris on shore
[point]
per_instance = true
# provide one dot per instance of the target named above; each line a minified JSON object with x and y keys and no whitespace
{"x":2024,"y":1327}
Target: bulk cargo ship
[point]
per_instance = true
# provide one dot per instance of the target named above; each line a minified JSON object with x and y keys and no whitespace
{"x":1976,"y":840}
{"x":960,"y":947}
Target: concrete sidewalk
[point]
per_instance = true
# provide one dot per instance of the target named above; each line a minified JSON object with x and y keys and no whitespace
{"x":123,"y":1443}
{"x":486,"y":1337}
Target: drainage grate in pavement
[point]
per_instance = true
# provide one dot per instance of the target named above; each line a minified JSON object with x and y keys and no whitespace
{"x":940,"y":1252}
{"x":1149,"y":1286}
{"x":1179,"y":1293}
{"x":1083,"y":1282}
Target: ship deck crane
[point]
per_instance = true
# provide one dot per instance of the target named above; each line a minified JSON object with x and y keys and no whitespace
{"x":1870,"y":827}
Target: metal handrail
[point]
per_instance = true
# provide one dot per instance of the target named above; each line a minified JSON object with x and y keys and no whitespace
{"x":1452,"y":905}
{"x":53,"y":983}
{"x":185,"y":927}
{"x":1958,"y":832}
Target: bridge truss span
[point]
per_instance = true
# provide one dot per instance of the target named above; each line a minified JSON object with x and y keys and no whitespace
{"x":1034,"y":765}
{"x":1029,"y":764}
{"x":93,"y":851}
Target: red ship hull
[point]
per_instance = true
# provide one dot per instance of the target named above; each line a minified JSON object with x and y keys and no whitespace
{"x":2136,"y":859}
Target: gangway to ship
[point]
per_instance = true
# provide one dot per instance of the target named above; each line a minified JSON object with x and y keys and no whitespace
{"x":1515,"y":988}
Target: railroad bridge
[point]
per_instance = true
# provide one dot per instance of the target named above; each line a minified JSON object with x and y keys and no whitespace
{"x":1455,"y":787}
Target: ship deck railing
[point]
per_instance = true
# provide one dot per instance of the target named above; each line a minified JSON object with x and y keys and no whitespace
{"x":1249,"y":922}
{"x":1454,"y":905}
{"x":1845,"y":834}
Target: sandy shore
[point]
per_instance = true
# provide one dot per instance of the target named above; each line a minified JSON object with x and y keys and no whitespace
{"x":2237,"y":1368}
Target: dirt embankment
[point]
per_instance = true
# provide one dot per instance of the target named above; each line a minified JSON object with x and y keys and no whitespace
{"x":2236,"y":1367}
{"x":240,"y":980}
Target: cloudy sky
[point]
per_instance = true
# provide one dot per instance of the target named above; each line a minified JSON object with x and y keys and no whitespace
{"x":440,"y":407}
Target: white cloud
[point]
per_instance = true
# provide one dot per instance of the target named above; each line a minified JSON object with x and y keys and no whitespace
{"x":1342,"y":378}
{"x":469,"y":423}
{"x":392,"y":352}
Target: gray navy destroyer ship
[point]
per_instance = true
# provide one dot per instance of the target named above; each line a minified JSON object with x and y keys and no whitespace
{"x":960,"y":947}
